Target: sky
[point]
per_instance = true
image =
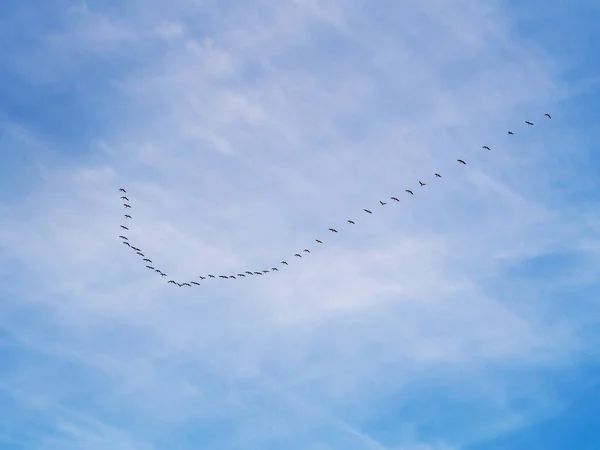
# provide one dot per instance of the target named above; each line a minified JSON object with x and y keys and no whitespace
{"x":464,"y":317}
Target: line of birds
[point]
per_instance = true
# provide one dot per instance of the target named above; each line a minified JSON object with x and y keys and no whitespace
{"x":150,"y":264}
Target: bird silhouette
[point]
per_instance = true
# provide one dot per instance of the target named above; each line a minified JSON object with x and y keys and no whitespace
{"x":248,"y":272}
{"x":284,"y":262}
{"x":306,"y":250}
{"x":211,"y":276}
{"x":298,"y":255}
{"x":382,"y":203}
{"x":127,"y":216}
{"x":461,"y":161}
{"x":352,"y":222}
{"x":150,"y":267}
{"x":333,"y":230}
{"x":486,"y":147}
{"x":136,"y":249}
{"x":126,"y":205}
{"x":438,"y":175}
{"x":147,"y":260}
{"x":122,"y":190}
{"x":409,"y":191}
{"x":196,"y":283}
{"x":275,"y":269}
{"x":367,"y":211}
{"x":258,"y":273}
{"x":202,"y":278}
{"x":186,"y":284}
{"x":241,"y":275}
{"x":528,"y":122}
{"x":265,"y":271}
{"x":318,"y":241}
{"x":510,"y":132}
{"x":127,"y":243}
{"x":123,"y":237}
{"x":548,"y":116}
{"x":124,"y":198}
{"x":395,"y":199}
{"x":232,"y":277}
{"x":421,"y":184}
{"x":124,"y":227}
{"x":140,"y":253}
{"x":171,"y":281}
{"x":163,"y":274}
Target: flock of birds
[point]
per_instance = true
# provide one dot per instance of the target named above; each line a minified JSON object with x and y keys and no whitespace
{"x":150,"y":265}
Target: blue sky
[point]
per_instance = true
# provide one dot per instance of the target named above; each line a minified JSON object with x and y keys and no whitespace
{"x":463,"y":318}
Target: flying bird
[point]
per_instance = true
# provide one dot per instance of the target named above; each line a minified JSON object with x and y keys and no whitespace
{"x":548,"y":116}
{"x":136,"y":249}
{"x":171,"y":281}
{"x":124,"y":227}
{"x":150,"y":267}
{"x":395,"y":199}
{"x":298,"y":255}
{"x":140,"y":253}
{"x":306,"y":250}
{"x":486,"y":147}
{"x":196,"y":283}
{"x":510,"y":132}
{"x":163,"y":274}
{"x":367,"y":211}
{"x":528,"y":122}
{"x":275,"y":269}
{"x":186,"y":284}
{"x":265,"y":271}
{"x":122,"y":190}
{"x":318,"y":241}
{"x":127,"y":243}
{"x":232,"y":277}
{"x":333,"y":230}
{"x":438,"y":175}
{"x":421,"y":184}
{"x":211,"y":276}
{"x":382,"y":203}
{"x":124,"y":198}
{"x":241,"y":275}
{"x":461,"y":161}
{"x":127,"y":216}
{"x":249,"y":273}
{"x":352,"y":222}
{"x":202,"y":278}
{"x":126,"y":205}
{"x":147,"y":260}
{"x":409,"y":191}
{"x":179,"y":284}
{"x":222,"y":276}
{"x":284,"y":262}
{"x":123,"y":237}
{"x":258,"y":273}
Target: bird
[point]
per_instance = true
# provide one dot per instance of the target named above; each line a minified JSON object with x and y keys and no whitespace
{"x":409,"y":191}
{"x":171,"y":281}
{"x":461,"y":161}
{"x":140,"y":253}
{"x":241,"y":275}
{"x":257,"y":273}
{"x":179,"y":284}
{"x":510,"y":132}
{"x":150,"y":267}
{"x":124,"y":198}
{"x":202,"y":278}
{"x":186,"y":284}
{"x":395,"y":199}
{"x":232,"y":277}
{"x":123,"y":237}
{"x":124,"y":227}
{"x":486,"y":147}
{"x":318,"y":241}
{"x":196,"y":283}
{"x":275,"y":269}
{"x":548,"y":116}
{"x":382,"y":203}
{"x":528,"y":122}
{"x":306,"y":250}
{"x":126,"y":205}
{"x":438,"y":175}
{"x":367,"y":211}
{"x":333,"y":230}
{"x":284,"y":262}
{"x":147,"y":260}
{"x":136,"y":249}
{"x":421,"y":184}
{"x":127,"y":216}
{"x":352,"y":222}
{"x":122,"y":190}
{"x":249,"y":273}
{"x":126,"y":243}
{"x":163,"y":274}
{"x":298,"y":255}
{"x":222,"y":276}
{"x":265,"y":271}
{"x":211,"y":276}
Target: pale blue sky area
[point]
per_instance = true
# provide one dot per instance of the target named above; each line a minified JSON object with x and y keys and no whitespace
{"x":464,"y":317}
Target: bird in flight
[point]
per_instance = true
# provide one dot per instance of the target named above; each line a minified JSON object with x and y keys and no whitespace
{"x":421,"y":184}
{"x":127,"y":216}
{"x":486,"y":147}
{"x":249,"y":273}
{"x":352,"y":222}
{"x":124,"y":198}
{"x":258,"y":273}
{"x":126,"y":205}
{"x":196,"y":283}
{"x":548,"y":116}
{"x":284,"y":262}
{"x":211,"y":276}
{"x":318,"y":241}
{"x":510,"y":132}
{"x":122,"y":190}
{"x":367,"y":211}
{"x":123,"y":237}
{"x":124,"y":227}
{"x":382,"y":203}
{"x":136,"y":249}
{"x":241,"y":275}
{"x":395,"y":199}
{"x":275,"y":269}
{"x":461,"y":161}
{"x":171,"y":281}
{"x":186,"y":284}
{"x":298,"y":255}
{"x":150,"y":267}
{"x":140,"y":253}
{"x":127,"y":243}
{"x":528,"y":122}
{"x":438,"y":175}
{"x":265,"y":271}
{"x":409,"y":191}
{"x":222,"y":276}
{"x":201,"y":277}
{"x":333,"y":230}
{"x":147,"y":260}
{"x":232,"y":277}
{"x":306,"y":250}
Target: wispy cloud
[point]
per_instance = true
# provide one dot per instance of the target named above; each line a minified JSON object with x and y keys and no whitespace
{"x":241,"y":133}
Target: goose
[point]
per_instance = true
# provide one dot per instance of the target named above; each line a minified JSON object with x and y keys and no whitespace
{"x":202,"y":278}
{"x":409,"y":191}
{"x":298,"y":255}
{"x":232,"y":277}
{"x":275,"y":269}
{"x":318,"y":241}
{"x":150,"y":267}
{"x":141,"y":254}
{"x":421,"y":183}
{"x":367,"y":211}
{"x":127,"y":243}
{"x":306,"y":250}
{"x":211,"y":276}
{"x":258,"y":273}
{"x":486,"y":147}
{"x":352,"y":222}
{"x":186,"y":284}
{"x":265,"y":271}
{"x":333,"y":230}
{"x":171,"y":281}
{"x":528,"y":122}
{"x":126,"y":205}
{"x":284,"y":262}
{"x":395,"y":199}
{"x":127,"y":216}
{"x":124,"y":198}
{"x":123,"y":237}
{"x":249,"y":273}
{"x":163,"y":274}
{"x":124,"y":227}
{"x":196,"y":283}
{"x":382,"y":203}
{"x":437,"y":175}
{"x":548,"y":116}
{"x":241,"y":275}
{"x":510,"y":132}
{"x":461,"y":161}
{"x":147,"y":260}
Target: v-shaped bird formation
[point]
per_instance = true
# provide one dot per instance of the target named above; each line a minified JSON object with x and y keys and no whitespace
{"x":243,"y":274}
